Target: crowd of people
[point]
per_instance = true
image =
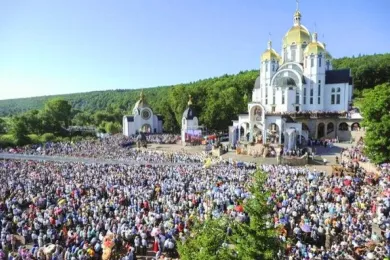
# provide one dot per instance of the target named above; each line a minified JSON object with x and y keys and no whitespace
{"x":110,"y":148}
{"x":355,"y":152}
{"x":72,"y":206}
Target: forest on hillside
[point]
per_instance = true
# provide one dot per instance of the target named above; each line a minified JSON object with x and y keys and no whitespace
{"x":218,"y":100}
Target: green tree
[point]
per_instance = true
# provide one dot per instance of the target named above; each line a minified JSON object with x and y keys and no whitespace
{"x":256,"y":239}
{"x":83,"y":118}
{"x":113,"y":128}
{"x":252,"y":239}
{"x":58,"y":112}
{"x":19,"y":131}
{"x":3,"y":126}
{"x":375,"y":107}
{"x":47,"y":137}
{"x":33,"y":121}
{"x":208,"y":242}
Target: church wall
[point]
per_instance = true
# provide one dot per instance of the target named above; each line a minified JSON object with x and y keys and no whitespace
{"x":344,"y":97}
{"x":125,"y":125}
{"x":192,"y":124}
{"x":131,"y":129}
{"x":155,"y":124}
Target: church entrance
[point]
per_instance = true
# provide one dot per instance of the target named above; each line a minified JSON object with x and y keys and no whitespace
{"x":146,"y":128}
{"x":320,"y":130}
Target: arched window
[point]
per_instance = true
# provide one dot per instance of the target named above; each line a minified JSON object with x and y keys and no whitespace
{"x":302,"y":52}
{"x":319,"y":60}
{"x":330,"y":128}
{"x":312,"y":60}
{"x":319,"y":92}
{"x":343,"y":126}
{"x":273,"y":65}
{"x":311,"y":93}
{"x":327,"y":65}
{"x":273,"y":96}
{"x":266,"y":66}
{"x":293,"y":52}
{"x":285,"y":54}
{"x":335,"y":96}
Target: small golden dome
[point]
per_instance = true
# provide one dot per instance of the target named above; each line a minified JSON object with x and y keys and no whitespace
{"x":314,"y":48}
{"x":327,"y":54}
{"x":270,"y":54}
{"x":298,"y":34}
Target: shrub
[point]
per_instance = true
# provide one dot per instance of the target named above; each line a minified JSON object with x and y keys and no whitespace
{"x":7,"y":140}
{"x":34,"y":139}
{"x":48,"y":137}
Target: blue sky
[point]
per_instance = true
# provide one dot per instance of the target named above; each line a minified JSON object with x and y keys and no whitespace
{"x":64,"y":46}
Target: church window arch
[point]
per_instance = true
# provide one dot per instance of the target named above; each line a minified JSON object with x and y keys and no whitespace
{"x":273,"y":96}
{"x":311,"y":93}
{"x":266,"y":66}
{"x":312,"y":60}
{"x":293,"y":52}
{"x":335,"y":96}
{"x":319,"y":60}
{"x":327,"y":65}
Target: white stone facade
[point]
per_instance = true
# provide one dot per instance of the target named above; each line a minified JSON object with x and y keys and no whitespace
{"x":189,"y":124}
{"x":296,"y":90}
{"x":142,"y":120}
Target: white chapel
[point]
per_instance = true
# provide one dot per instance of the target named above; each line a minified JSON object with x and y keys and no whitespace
{"x":142,"y":120}
{"x":190,"y":125}
{"x":297,"y":95}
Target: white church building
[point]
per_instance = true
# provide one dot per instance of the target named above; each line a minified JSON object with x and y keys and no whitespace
{"x":142,"y":120}
{"x":190,"y":128}
{"x":297,"y":95}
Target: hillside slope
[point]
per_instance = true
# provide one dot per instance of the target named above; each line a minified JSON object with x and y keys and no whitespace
{"x":368,"y":71}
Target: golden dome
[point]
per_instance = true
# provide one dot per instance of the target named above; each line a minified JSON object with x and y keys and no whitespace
{"x":327,"y":54}
{"x":298,"y":34}
{"x":270,"y":54}
{"x":314,"y":48}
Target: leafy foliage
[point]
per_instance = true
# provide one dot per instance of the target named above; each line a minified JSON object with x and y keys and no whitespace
{"x":367,"y":70}
{"x":252,"y":239}
{"x":19,"y":131}
{"x":3,"y":126}
{"x":217,"y":100}
{"x":257,"y":239}
{"x":375,"y":106}
{"x":209,"y":242}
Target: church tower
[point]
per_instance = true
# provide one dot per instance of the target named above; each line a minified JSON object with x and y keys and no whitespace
{"x":189,"y":123}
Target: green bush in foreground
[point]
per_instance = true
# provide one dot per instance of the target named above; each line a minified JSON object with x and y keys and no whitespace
{"x":253,"y":239}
